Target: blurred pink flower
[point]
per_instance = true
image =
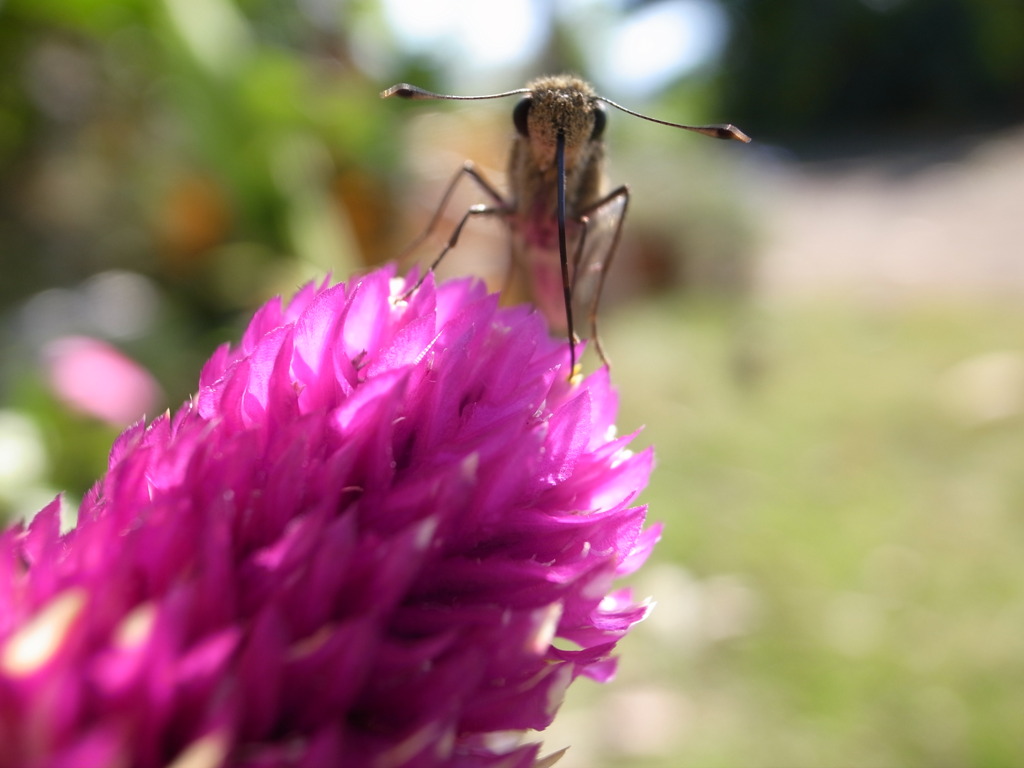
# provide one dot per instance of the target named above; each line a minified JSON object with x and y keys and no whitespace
{"x":96,"y":379}
{"x":357,"y":545}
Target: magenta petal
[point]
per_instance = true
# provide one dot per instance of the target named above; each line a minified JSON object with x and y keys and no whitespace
{"x":40,"y":542}
{"x":357,"y":545}
{"x":101,"y":746}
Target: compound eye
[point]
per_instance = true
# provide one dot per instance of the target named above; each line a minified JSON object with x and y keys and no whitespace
{"x":520,"y":115}
{"x":600,"y":119}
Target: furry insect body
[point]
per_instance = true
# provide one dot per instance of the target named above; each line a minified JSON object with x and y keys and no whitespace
{"x":557,"y":200}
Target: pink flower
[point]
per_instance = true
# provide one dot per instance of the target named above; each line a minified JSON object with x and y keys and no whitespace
{"x":383,"y":534}
{"x":94,"y":378}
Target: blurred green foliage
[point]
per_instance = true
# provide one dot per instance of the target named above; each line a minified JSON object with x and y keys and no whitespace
{"x":220,"y":152}
{"x":864,"y":73}
{"x":188,"y":141}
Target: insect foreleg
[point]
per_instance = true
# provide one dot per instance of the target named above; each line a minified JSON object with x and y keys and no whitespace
{"x":467,"y":170}
{"x":619,"y":193}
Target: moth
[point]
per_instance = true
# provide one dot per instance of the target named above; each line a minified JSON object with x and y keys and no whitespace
{"x":565,"y":224}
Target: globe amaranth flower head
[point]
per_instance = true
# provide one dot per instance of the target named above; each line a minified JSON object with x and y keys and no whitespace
{"x":384,"y":533}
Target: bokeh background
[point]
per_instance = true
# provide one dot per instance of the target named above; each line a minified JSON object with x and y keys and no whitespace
{"x":823,"y":330}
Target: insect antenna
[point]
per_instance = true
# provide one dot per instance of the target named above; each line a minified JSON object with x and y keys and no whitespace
{"x":415,"y":93}
{"x":718,"y":131}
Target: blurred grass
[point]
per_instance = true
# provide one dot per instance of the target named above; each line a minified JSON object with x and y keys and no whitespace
{"x":849,"y":524}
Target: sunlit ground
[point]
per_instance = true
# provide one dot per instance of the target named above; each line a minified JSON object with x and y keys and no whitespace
{"x":839,"y":581}
{"x":840,"y":475}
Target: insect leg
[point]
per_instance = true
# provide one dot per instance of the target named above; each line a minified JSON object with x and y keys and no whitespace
{"x":467,"y":170}
{"x":474,"y":210}
{"x":620,"y":193}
